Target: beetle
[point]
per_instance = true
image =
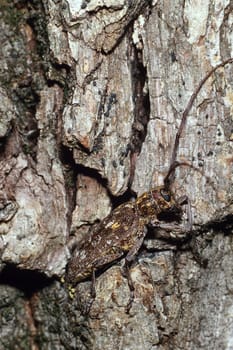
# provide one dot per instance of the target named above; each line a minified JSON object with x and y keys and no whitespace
{"x":122,"y":232}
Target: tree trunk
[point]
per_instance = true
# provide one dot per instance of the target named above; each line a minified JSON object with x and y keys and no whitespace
{"x":92,"y":95}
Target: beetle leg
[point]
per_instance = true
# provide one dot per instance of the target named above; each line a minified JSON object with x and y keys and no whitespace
{"x":126,"y":274}
{"x":88,"y":305}
{"x":182,"y":200}
{"x":171,"y":231}
{"x":126,"y":268}
{"x":93,"y":289}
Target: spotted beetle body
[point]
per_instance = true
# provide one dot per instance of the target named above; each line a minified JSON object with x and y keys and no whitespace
{"x":120,"y":231}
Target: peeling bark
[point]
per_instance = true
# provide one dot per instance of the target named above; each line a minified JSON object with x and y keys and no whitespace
{"x":92,"y":95}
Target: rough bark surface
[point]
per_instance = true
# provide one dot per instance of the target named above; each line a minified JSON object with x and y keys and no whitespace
{"x":92,"y":95}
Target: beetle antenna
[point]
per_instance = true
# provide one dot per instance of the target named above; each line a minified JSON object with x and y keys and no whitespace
{"x":176,"y":164}
{"x":169,"y":178}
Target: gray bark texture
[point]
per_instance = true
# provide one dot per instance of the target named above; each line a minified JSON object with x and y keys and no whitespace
{"x":92,"y":95}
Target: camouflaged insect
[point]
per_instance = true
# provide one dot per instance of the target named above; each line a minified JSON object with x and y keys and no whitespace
{"x":121,"y":232}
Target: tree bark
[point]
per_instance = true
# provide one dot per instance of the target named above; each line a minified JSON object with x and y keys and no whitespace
{"x":92,"y":95}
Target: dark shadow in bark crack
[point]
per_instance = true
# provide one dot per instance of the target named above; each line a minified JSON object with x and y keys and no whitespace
{"x":27,"y":281}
